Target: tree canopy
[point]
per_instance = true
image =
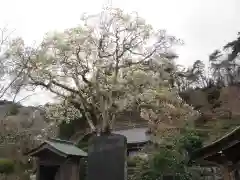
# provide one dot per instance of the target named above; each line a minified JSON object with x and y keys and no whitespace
{"x":111,"y":63}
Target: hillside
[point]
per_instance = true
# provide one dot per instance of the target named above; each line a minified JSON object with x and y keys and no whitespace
{"x":18,"y":124}
{"x":219,"y":108}
{"x":23,"y":117}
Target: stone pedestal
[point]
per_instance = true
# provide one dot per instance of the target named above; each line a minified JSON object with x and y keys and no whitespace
{"x":107,"y":157}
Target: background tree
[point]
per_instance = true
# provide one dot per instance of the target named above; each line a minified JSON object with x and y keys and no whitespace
{"x":192,"y":77}
{"x":225,"y":63}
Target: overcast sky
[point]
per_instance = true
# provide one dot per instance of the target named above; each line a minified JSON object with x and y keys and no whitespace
{"x":204,"y":25}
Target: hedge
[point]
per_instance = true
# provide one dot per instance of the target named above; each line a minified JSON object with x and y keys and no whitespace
{"x":6,"y":166}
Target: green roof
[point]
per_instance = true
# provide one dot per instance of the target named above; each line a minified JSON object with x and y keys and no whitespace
{"x":217,"y":146}
{"x":63,"y":147}
{"x":66,"y":147}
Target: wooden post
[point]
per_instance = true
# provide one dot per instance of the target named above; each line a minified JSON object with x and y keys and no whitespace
{"x":227,"y":173}
{"x":37,"y":169}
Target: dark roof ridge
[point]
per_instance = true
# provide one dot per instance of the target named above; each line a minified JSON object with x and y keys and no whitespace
{"x":139,"y":126}
{"x":218,"y":144}
{"x":60,"y":141}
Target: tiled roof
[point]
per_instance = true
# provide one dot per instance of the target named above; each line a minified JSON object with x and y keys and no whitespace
{"x":134,"y":135}
{"x":66,"y":148}
{"x":228,"y":140}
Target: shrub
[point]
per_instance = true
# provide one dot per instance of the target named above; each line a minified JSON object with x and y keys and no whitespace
{"x":170,"y":159}
{"x":83,"y":146}
{"x":14,"y":110}
{"x":6,"y":166}
{"x":191,"y":140}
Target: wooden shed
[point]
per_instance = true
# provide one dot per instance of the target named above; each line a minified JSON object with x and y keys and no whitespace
{"x":224,"y":153}
{"x":57,"y":160}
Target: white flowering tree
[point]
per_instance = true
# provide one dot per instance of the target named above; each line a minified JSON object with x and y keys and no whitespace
{"x":111,"y":62}
{"x":7,"y":77}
